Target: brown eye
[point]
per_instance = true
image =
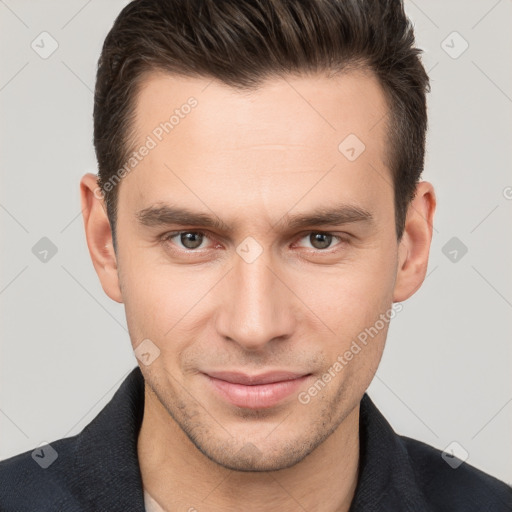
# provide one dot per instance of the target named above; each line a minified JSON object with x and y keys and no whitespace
{"x":188,"y":239}
{"x":320,"y":240}
{"x":191,"y":240}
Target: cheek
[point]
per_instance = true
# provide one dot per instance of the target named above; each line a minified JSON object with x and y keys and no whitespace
{"x":163,"y":302}
{"x":351,"y":301}
{"x":171,"y":303}
{"x":352,"y":294}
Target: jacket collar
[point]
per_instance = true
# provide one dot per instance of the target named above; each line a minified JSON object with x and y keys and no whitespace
{"x":106,"y":458}
{"x":386,"y":474}
{"x":106,"y":452}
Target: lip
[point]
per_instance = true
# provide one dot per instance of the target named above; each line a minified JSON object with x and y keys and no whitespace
{"x":255,"y":391}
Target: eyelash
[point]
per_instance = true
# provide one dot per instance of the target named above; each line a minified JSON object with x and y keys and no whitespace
{"x":168,"y":236}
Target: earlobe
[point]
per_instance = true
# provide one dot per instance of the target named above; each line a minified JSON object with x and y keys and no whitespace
{"x":99,"y":236}
{"x":414,"y":248}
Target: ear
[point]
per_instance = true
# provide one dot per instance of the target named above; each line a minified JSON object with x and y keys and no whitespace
{"x":99,"y":236}
{"x":414,"y":248}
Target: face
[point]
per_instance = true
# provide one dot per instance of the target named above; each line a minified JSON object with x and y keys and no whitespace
{"x":254,"y":249}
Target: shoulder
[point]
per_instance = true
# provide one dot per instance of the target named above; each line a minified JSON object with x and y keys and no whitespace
{"x":43,"y":474}
{"x":457,"y":486}
{"x":97,"y":469}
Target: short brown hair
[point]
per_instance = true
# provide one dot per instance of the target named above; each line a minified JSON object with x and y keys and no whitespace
{"x":242,"y":43}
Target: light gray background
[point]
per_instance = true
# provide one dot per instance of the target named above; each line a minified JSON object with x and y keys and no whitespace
{"x":445,"y":375}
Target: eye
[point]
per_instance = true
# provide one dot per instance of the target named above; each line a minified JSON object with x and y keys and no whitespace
{"x":190,"y":240}
{"x":320,"y":240}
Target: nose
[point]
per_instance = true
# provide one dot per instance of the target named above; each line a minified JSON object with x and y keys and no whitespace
{"x":257,"y":306}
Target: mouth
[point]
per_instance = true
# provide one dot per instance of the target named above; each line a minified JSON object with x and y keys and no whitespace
{"x":255,"y":391}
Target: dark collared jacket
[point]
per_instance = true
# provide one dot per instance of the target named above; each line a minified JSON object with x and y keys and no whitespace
{"x":97,"y":470}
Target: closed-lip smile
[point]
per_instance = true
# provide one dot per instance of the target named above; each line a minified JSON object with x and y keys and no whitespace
{"x":257,"y":391}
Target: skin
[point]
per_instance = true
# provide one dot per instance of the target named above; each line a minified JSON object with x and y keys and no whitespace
{"x":251,"y":160}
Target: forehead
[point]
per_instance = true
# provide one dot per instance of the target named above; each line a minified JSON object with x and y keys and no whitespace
{"x":209,"y":138}
{"x":352,"y":102}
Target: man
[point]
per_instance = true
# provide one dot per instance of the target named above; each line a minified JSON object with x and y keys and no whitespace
{"x":259,"y":212}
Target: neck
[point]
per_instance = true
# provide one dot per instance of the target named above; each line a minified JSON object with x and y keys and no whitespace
{"x":179,"y":477}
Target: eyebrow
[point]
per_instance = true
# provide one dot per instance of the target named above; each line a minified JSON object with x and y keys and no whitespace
{"x":164,"y":214}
